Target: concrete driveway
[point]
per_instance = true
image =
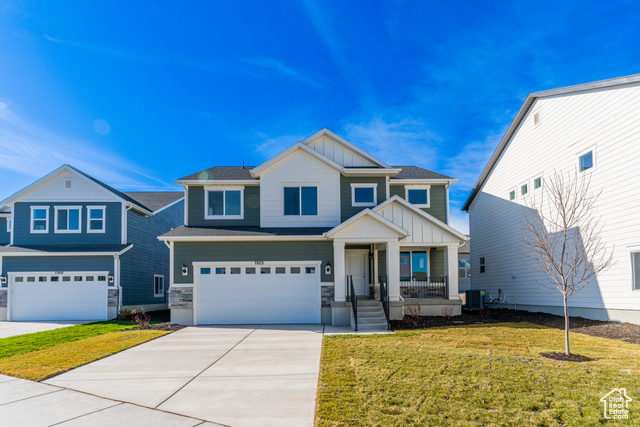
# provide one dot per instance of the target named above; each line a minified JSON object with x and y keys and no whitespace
{"x":10,"y":329}
{"x":263,"y":375}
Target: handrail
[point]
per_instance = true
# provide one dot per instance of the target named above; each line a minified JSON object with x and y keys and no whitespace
{"x":384,"y":298}
{"x":354,"y":300}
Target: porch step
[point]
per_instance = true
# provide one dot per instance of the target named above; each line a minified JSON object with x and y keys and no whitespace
{"x":371,"y":315}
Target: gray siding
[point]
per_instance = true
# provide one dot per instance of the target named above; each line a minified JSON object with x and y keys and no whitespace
{"x":56,"y":263}
{"x":22,"y":226}
{"x":148,"y":256}
{"x":251,"y":209}
{"x":346,"y":209}
{"x":5,"y":236}
{"x":436,"y":262}
{"x":437,"y":202}
{"x":186,"y":253}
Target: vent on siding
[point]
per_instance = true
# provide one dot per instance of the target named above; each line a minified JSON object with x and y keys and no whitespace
{"x":67,"y":183}
{"x":536,"y":118}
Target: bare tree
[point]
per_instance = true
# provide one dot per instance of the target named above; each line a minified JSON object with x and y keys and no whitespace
{"x":562,"y":237}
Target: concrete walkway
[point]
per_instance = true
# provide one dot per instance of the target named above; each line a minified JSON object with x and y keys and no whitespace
{"x":10,"y":329}
{"x":27,"y":403}
{"x":263,"y":375}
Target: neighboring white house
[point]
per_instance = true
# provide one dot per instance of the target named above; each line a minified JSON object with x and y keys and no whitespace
{"x":593,"y":128}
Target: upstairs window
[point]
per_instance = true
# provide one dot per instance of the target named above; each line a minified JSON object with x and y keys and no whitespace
{"x":96,"y":219}
{"x":224,"y":203}
{"x":300,"y":201}
{"x":482,"y":265}
{"x":537,"y":183}
{"x":586,"y":161}
{"x":158,"y":285}
{"x":418,"y":196}
{"x":363,"y":194}
{"x":39,"y":219}
{"x":512,"y":195}
{"x":8,"y":225}
{"x":524,"y":189}
{"x":67,"y":219}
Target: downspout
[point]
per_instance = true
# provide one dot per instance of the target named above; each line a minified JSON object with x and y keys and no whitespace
{"x":116,"y":279}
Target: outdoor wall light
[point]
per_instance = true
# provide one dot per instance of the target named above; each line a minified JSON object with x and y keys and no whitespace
{"x":3,"y":280}
{"x":111,"y":278}
{"x":185,"y":270}
{"x":327,"y":268}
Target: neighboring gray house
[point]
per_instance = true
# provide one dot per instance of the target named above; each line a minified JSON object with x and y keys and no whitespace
{"x":282,"y":242}
{"x":464,"y":267}
{"x":77,"y":249}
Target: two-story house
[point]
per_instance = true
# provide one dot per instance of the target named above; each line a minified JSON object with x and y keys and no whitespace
{"x":286,"y":241}
{"x":589,"y":130}
{"x":77,"y":249}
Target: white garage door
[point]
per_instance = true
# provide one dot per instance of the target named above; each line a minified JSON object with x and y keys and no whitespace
{"x":240,"y":294}
{"x":68,"y":296}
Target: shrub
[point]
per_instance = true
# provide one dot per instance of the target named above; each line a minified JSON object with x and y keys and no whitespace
{"x":142,"y":318}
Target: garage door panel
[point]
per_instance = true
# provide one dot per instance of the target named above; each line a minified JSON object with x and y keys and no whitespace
{"x":278,"y":297}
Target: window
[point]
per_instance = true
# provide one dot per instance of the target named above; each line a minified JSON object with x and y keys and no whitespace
{"x":464,"y":268}
{"x":8,"y":225}
{"x":250,"y":270}
{"x":158,"y":285}
{"x":281,"y":270}
{"x":205,"y":270}
{"x":310,"y":270}
{"x":482,"y":265}
{"x":19,"y":279}
{"x":96,"y":219}
{"x":221,"y":270}
{"x":235,"y":270}
{"x":413,"y":265}
{"x":524,"y":189}
{"x":586,"y":161}
{"x":39,"y":219}
{"x":55,"y":278}
{"x":512,"y":195}
{"x":265,"y":270}
{"x":300,"y":201}
{"x":295,"y":270}
{"x":537,"y":183}
{"x":635,"y":270}
{"x":363,"y":194}
{"x":67,"y":219}
{"x":418,"y":196}
{"x":223,"y":203}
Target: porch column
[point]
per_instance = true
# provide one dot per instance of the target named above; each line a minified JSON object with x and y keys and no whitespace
{"x":376,"y":273}
{"x":393,"y":270}
{"x":339,"y":272}
{"x":451,"y":263}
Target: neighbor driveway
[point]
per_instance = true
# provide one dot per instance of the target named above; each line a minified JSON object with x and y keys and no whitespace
{"x":10,"y":329}
{"x":236,"y":375}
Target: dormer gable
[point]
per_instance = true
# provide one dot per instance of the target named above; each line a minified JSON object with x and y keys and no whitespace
{"x":341,"y":151}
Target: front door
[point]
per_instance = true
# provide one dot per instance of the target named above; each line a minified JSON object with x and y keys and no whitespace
{"x":357,"y":269}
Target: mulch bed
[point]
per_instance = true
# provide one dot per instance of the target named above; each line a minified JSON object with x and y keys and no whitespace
{"x":166,"y":326}
{"x":627,"y":332}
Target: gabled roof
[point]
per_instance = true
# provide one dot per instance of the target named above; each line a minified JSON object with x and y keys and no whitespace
{"x":298,"y":146}
{"x":221,"y":173}
{"x":429,"y":218}
{"x":64,"y":249}
{"x":346,"y":144}
{"x":155,"y":200}
{"x":522,"y":113}
{"x":369,"y":214}
{"x":204,"y":233}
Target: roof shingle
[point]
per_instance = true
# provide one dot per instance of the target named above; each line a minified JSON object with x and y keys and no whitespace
{"x":184,"y":231}
{"x":154,"y":200}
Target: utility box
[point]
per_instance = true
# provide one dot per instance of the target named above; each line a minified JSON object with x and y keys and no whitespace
{"x":475,"y":299}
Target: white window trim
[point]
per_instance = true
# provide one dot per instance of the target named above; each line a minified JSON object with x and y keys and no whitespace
{"x":224,"y":190}
{"x":67,"y":208}
{"x":154,"y":285}
{"x":594,"y":157}
{"x":519,"y":189}
{"x":9,"y":224}
{"x":46,"y":219}
{"x":418,"y":187}
{"x":104,"y":219}
{"x":411,"y":251}
{"x":533,"y":182}
{"x":375,"y":194}
{"x":515,"y":195}
{"x":482,"y":264}
{"x":299,"y":187}
{"x":633,"y":272}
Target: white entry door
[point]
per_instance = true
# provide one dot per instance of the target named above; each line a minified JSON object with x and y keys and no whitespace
{"x":357,"y":269}
{"x":68,"y":296}
{"x":267,"y":293}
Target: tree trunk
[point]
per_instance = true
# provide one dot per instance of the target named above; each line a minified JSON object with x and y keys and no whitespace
{"x":566,"y":327}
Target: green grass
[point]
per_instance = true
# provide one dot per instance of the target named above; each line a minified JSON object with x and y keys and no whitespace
{"x":31,"y":342}
{"x":472,"y":375}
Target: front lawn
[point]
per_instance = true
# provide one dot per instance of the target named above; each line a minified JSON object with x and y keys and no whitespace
{"x":472,"y":375}
{"x":42,"y":355}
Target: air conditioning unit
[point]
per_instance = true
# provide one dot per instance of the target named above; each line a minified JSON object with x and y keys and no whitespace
{"x":475,"y":299}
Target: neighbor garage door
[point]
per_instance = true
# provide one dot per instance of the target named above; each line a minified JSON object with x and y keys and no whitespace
{"x":240,"y":294}
{"x":69,"y":296}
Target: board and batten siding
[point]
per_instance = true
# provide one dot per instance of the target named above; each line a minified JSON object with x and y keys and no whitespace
{"x":347,"y":210}
{"x":421,"y":230}
{"x":11,"y":264}
{"x":148,"y":256}
{"x":437,"y":199}
{"x":340,"y":154}
{"x":196,"y":209}
{"x":605,"y":121}
{"x":22,"y":226}
{"x":188,"y":252}
{"x":80,"y":189}
{"x":299,"y":169}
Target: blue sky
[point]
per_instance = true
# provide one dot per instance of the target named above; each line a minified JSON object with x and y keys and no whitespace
{"x":139,"y":94}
